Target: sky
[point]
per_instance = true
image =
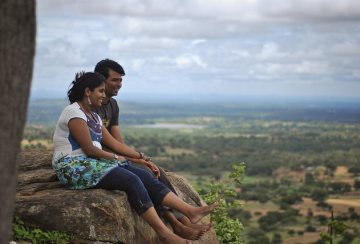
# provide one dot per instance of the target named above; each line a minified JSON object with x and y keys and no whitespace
{"x":235,"y":48}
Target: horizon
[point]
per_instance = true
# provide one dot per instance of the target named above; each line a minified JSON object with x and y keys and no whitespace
{"x":222,"y":99}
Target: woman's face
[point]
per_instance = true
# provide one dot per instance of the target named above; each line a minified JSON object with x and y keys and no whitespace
{"x":97,"y":95}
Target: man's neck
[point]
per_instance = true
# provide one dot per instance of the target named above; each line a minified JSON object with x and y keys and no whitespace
{"x":106,"y":100}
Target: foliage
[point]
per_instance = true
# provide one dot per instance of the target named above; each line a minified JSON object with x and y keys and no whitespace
{"x":273,"y":219}
{"x":228,"y":230}
{"x":354,"y":169}
{"x":337,"y":227}
{"x":256,"y":236}
{"x":357,"y":185}
{"x":309,"y":142}
{"x":277,"y":239}
{"x":35,"y":235}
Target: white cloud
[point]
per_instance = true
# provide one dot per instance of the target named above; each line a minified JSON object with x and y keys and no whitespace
{"x":188,"y":60}
{"x":198,"y":42}
{"x":124,"y":44}
{"x":346,"y":48}
{"x":310,"y":67}
{"x":137,"y":64}
{"x":265,"y":42}
{"x":270,"y":50}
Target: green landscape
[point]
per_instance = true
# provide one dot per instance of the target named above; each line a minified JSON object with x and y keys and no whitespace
{"x":302,"y":159}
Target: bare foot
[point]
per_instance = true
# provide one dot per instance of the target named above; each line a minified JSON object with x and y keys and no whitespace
{"x":185,"y":221}
{"x":201,"y":212}
{"x":171,"y":238}
{"x":188,"y":232}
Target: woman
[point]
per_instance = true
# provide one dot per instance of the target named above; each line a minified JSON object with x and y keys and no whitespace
{"x":80,"y":162}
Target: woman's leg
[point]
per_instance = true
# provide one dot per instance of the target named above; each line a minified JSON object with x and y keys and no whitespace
{"x":121,"y":179}
{"x":160,"y":194}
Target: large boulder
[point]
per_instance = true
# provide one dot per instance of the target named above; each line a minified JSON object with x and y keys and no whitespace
{"x":88,"y":216}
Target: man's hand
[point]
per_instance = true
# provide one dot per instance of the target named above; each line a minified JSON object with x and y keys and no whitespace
{"x":152,"y":167}
{"x":148,"y":163}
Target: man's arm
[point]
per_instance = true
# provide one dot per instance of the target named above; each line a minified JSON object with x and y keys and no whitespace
{"x":116,"y":133}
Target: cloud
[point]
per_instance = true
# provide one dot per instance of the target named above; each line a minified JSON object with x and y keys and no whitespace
{"x":137,"y":64}
{"x":270,"y":50}
{"x":226,"y":45}
{"x":309,"y":67}
{"x":189,"y":60}
{"x":123,"y":44}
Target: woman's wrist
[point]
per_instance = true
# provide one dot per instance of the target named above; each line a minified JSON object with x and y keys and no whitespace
{"x":115,"y":157}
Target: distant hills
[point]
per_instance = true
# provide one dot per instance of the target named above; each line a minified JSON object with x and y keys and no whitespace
{"x":47,"y":111}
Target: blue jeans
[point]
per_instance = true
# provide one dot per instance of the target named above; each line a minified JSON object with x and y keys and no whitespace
{"x":143,"y":189}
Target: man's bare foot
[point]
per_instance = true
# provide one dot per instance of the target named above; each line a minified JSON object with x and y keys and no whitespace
{"x":188,"y":232}
{"x":181,"y":229}
{"x":201,"y":212}
{"x":186,"y":221}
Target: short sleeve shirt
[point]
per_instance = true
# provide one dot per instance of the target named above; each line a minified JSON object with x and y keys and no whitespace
{"x":64,"y":142}
{"x":109,"y":113}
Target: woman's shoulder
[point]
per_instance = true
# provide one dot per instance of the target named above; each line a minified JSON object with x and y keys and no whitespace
{"x":73,"y":110}
{"x":72,"y":107}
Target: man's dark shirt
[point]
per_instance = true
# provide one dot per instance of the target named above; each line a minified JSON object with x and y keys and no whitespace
{"x":109,"y":113}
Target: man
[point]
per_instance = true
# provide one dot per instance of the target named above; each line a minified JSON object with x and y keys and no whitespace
{"x":109,"y":113}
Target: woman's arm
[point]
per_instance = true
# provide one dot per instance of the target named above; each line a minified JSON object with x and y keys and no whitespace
{"x":80,"y":131}
{"x":110,"y":142}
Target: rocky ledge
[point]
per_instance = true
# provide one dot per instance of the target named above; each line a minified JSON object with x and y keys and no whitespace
{"x":88,"y":216}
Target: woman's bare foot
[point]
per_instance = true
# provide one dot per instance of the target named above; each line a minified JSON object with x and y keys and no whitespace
{"x":201,"y":212}
{"x":185,"y":221}
{"x":170,"y":238}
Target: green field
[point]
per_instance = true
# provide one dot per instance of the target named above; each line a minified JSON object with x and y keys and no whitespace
{"x":302,"y":162}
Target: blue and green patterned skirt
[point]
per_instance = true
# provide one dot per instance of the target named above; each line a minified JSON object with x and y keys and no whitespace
{"x":81,"y":172}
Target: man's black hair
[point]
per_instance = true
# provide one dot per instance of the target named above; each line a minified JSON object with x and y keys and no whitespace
{"x":104,"y":66}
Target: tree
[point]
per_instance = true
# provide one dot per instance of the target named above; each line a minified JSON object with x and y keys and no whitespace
{"x":17,"y":48}
{"x":357,"y":185}
{"x":355,"y":170}
{"x":277,"y":239}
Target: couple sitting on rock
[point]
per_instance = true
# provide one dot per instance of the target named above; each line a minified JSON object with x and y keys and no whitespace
{"x":90,"y":153}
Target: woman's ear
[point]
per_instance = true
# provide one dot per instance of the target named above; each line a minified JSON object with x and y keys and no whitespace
{"x":87,"y":91}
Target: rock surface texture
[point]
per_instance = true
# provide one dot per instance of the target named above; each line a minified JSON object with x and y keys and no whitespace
{"x":88,"y":216}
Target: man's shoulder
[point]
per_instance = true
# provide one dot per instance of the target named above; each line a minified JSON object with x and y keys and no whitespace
{"x":110,"y":104}
{"x":113,"y":104}
{"x":113,"y":101}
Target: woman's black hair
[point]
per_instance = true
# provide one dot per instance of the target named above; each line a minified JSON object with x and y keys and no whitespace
{"x":83,"y":80}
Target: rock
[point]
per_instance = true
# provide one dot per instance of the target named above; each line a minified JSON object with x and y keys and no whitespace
{"x":88,"y":216}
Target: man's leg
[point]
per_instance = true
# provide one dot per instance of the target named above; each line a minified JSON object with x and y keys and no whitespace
{"x":163,"y":178}
{"x":121,"y":179}
{"x":179,"y":222}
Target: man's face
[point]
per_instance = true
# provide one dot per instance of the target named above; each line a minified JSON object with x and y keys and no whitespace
{"x":113,"y":84}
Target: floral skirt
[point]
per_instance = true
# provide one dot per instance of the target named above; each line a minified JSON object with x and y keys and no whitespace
{"x":81,"y":172}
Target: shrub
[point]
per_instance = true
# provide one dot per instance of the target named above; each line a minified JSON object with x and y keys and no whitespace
{"x":228,"y":230}
{"x":310,"y":228}
{"x":35,"y":235}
